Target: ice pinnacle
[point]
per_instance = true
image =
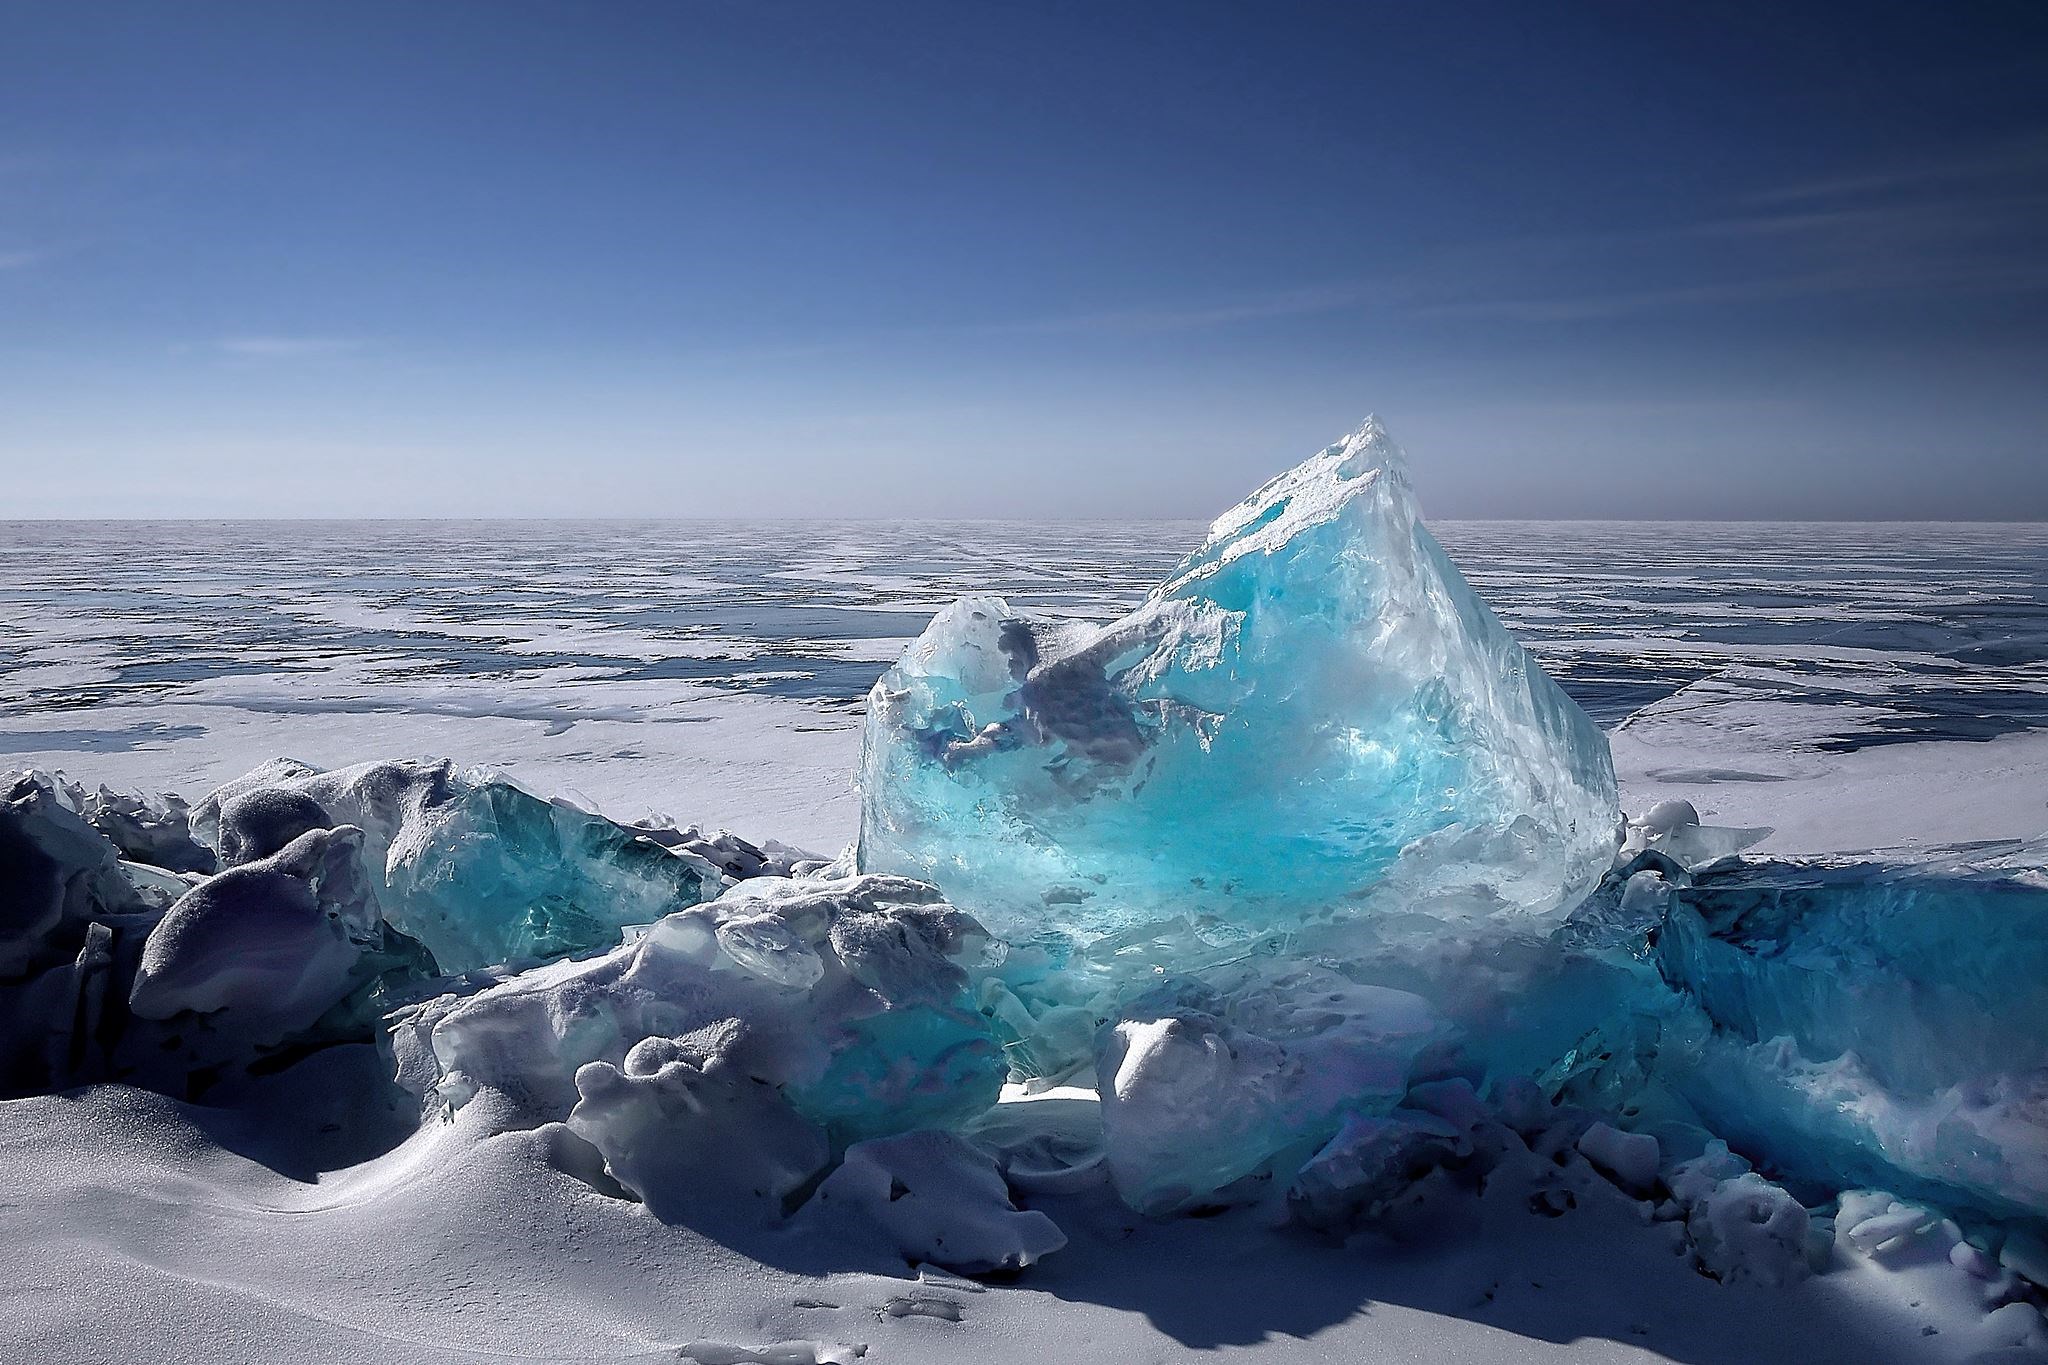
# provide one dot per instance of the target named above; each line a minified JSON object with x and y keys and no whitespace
{"x":1314,"y":715}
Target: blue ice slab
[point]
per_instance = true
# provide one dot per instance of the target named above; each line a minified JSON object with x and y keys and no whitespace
{"x":1314,"y":712}
{"x":476,"y":868}
{"x":1874,"y":1023}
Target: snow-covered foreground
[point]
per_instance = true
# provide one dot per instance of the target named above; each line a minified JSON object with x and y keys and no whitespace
{"x":137,"y":1228}
{"x":269,"y":1226}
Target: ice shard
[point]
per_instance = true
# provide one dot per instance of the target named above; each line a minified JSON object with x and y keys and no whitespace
{"x":1314,"y":713}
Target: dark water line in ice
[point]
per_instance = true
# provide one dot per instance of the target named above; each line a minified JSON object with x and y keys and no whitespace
{"x":1926,"y":631}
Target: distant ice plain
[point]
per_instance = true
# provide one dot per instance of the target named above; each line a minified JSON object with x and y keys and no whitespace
{"x":1853,"y":684}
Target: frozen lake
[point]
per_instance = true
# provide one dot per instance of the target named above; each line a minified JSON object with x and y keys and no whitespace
{"x":716,"y":670}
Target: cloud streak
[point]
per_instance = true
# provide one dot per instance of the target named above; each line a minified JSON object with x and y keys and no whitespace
{"x":287,"y":347}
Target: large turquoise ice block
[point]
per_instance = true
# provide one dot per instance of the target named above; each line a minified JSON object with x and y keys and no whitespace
{"x":1314,"y":712}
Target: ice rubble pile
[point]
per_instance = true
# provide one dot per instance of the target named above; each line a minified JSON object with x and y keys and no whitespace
{"x":113,"y":969}
{"x":292,"y":908}
{"x":1289,"y":867}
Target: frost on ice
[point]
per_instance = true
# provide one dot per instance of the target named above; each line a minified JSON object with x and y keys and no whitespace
{"x":1315,"y":712}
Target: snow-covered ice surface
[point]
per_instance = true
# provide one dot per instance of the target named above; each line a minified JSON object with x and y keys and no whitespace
{"x":1850,"y":686}
{"x":1804,"y":676}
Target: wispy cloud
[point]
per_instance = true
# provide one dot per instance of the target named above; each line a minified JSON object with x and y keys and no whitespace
{"x":21,"y":260}
{"x":1971,"y":223}
{"x":1974,"y":224}
{"x":1219,"y":312}
{"x":1999,"y":163}
{"x":287,"y":347}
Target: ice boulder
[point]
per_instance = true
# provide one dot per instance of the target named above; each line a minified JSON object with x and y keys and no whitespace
{"x":475,"y":867}
{"x":849,"y":998}
{"x":1313,"y":714}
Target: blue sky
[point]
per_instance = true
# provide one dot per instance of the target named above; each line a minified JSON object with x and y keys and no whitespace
{"x":730,"y":258}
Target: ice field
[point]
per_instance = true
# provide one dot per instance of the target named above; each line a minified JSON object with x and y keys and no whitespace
{"x":1234,"y":941}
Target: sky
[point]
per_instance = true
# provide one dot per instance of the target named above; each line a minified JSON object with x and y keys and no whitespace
{"x":1046,"y":258}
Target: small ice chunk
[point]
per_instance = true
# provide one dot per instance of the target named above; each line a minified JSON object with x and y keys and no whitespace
{"x":1629,"y":1158}
{"x":1972,"y":1261}
{"x":1667,"y":816}
{"x":1749,"y":1229}
{"x":935,"y":1198}
{"x":1047,"y":1142}
{"x":1672,"y":830}
{"x":1186,"y":1103}
{"x":1692,"y":1181}
{"x":1192,"y":1104}
{"x":1874,"y":1231}
{"x":2025,"y":1254}
{"x":1371,"y":1161}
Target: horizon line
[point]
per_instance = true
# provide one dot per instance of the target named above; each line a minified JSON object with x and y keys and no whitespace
{"x":679,"y":519}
